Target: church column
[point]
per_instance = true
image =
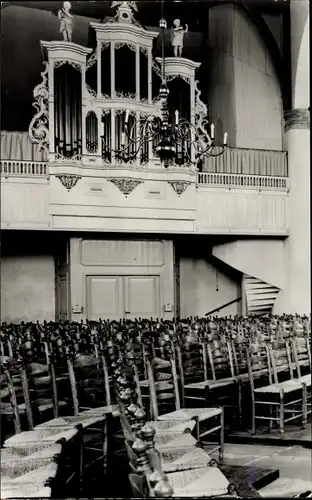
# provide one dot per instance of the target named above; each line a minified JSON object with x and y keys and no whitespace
{"x":297,"y":293}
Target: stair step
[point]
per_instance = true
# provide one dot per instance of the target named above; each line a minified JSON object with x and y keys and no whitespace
{"x":260,"y":296}
{"x":259,"y":286}
{"x":266,"y":295}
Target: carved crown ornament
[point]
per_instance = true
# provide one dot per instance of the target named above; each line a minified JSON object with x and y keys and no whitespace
{"x":126,"y":186}
{"x":68,"y":181}
{"x":179,"y":186}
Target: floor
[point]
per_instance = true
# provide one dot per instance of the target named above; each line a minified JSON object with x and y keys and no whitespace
{"x":294,"y":464}
{"x":294,"y":435}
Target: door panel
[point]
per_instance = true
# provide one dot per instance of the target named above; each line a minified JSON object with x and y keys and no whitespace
{"x":104,"y":297}
{"x":142,"y":296}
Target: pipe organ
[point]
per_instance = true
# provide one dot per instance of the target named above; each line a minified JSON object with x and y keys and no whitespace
{"x":95,"y":92}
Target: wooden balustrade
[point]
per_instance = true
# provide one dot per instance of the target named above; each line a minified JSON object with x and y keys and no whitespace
{"x":23,"y":168}
{"x":241,"y":181}
{"x":248,"y":162}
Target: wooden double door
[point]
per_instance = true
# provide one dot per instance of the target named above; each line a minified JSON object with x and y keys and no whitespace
{"x":115,"y":297}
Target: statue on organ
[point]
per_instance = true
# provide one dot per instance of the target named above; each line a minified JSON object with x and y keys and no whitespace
{"x":177,"y":37}
{"x":66,"y":21}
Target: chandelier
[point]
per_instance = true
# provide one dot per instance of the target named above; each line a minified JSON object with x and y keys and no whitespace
{"x":175,"y":140}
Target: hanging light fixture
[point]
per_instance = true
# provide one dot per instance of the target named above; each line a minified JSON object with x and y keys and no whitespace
{"x":173,"y":138}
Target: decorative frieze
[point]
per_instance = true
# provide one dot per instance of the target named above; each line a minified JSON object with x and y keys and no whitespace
{"x":179,"y":186}
{"x":61,"y":62}
{"x":297,"y":119}
{"x":68,"y":181}
{"x":126,"y":186}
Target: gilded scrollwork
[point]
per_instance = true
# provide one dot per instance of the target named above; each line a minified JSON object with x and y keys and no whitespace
{"x":39,"y":126}
{"x":126,"y":186}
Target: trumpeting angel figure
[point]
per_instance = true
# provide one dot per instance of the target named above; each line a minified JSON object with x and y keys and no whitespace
{"x":66,"y":21}
{"x":177,"y":37}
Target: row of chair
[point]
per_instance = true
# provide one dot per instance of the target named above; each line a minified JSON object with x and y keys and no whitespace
{"x":164,"y":455}
{"x":201,"y":368}
{"x":77,"y":367}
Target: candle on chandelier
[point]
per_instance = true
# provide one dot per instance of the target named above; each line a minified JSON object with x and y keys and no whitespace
{"x":102,"y":128}
{"x":212,"y":131}
{"x":123,"y":139}
{"x":176,"y":117}
{"x":225,"y":138}
{"x":127,"y":116}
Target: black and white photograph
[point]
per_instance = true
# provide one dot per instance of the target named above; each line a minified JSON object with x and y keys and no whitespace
{"x":155,"y":319}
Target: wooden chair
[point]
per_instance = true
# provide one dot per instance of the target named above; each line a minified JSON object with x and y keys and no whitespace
{"x":163,"y":386}
{"x":31,"y":475}
{"x":302,"y":356}
{"x":212,"y":361}
{"x":29,"y":443}
{"x":283,"y":371}
{"x":202,"y":481}
{"x":281,"y":396}
{"x":177,"y":451}
{"x":208,"y":420}
{"x":12,"y":398}
{"x":93,"y":420}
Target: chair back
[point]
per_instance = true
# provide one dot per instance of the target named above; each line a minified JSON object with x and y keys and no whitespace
{"x":280,"y":358}
{"x":220,"y":359}
{"x":259,"y":365}
{"x":302,"y":354}
{"x":163,"y":387}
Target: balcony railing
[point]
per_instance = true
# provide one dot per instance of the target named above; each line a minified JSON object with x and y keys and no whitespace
{"x":23,"y":168}
{"x":239,"y":181}
{"x":248,"y":162}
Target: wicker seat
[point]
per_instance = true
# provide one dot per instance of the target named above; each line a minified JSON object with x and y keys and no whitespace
{"x":63,"y":422}
{"x":29,"y":490}
{"x":210,"y":384}
{"x":173,"y":426}
{"x":287,"y":386}
{"x":179,"y":459}
{"x":169,"y":441}
{"x":36,"y":437}
{"x":24,"y":473}
{"x":184,"y":413}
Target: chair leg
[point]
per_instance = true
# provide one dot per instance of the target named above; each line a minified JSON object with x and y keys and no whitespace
{"x":105,"y":446}
{"x":221,"y":450}
{"x":240,"y":403}
{"x":197,"y":432}
{"x":282,"y":412}
{"x":304,"y":405}
{"x":253,"y":414}
{"x":81,"y":457}
{"x":271,"y":418}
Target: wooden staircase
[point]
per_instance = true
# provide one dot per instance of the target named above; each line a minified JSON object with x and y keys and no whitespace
{"x":260,"y":296}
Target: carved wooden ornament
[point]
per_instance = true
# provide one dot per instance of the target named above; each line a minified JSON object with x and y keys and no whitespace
{"x":69,"y":181}
{"x":179,"y":186}
{"x":126,"y":186}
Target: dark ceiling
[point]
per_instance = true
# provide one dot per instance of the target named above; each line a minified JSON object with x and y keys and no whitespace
{"x":24,"y":24}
